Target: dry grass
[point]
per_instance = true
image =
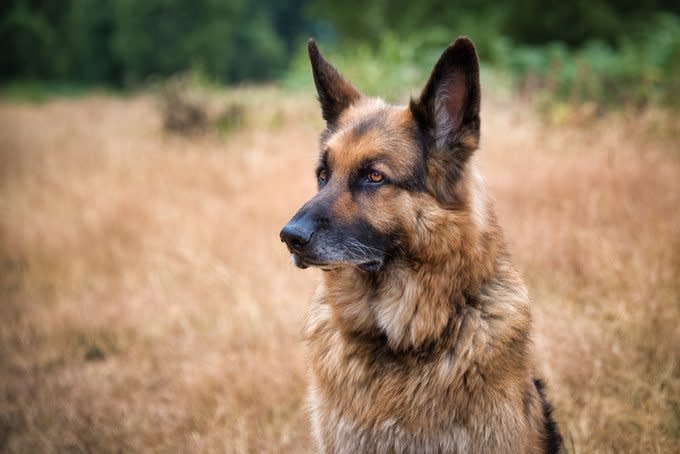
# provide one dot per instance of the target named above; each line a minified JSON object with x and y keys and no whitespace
{"x":147,"y":304}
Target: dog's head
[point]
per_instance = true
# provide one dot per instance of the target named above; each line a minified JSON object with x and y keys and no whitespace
{"x":384,"y":170}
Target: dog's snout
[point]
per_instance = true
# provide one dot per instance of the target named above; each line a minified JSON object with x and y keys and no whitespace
{"x":297,"y":235}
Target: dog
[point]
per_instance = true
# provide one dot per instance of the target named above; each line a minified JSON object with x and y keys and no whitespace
{"x":419,"y":334}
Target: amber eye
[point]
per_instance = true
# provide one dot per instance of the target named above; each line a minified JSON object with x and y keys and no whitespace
{"x":375,"y":177}
{"x":322,"y":176}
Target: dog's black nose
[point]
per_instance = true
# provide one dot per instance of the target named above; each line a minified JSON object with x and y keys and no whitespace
{"x":297,"y":235}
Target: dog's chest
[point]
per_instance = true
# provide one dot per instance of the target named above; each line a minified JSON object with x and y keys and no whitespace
{"x":368,"y":398}
{"x":365,"y":401}
{"x":336,"y":433}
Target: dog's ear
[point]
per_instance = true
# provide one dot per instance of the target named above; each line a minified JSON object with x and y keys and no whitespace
{"x":448,"y":107}
{"x":335,"y":93}
{"x":448,"y":114}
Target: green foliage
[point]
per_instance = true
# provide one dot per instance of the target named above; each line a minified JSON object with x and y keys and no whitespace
{"x":530,"y":22}
{"x":36,"y":91}
{"x":162,"y":38}
{"x":642,"y":69}
{"x":127,"y":41}
{"x":391,"y":70}
{"x":575,"y":23}
{"x":29,"y":42}
{"x":608,"y":51}
{"x":90,"y":33}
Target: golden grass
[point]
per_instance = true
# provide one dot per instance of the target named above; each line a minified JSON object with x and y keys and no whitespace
{"x":146,"y":303}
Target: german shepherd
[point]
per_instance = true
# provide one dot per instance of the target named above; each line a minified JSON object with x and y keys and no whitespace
{"x":419,"y":333}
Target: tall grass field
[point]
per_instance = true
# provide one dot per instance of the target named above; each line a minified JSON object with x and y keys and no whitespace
{"x":147,"y":304}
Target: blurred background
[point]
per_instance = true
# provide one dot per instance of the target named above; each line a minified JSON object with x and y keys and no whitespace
{"x":151,"y":150}
{"x":611,"y":52}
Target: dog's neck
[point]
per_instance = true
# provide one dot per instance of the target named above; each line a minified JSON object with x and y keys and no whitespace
{"x":412,"y":300}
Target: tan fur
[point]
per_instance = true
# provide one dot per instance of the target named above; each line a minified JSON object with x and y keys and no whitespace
{"x":446,"y":377}
{"x":432,"y":354}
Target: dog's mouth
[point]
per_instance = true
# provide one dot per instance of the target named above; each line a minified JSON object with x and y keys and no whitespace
{"x":302,"y":262}
{"x":305,"y":262}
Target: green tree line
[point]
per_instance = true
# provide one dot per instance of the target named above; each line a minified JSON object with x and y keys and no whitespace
{"x":123,"y":42}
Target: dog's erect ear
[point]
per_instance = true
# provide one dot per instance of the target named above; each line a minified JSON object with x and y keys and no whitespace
{"x":448,"y":113}
{"x":448,"y":108}
{"x":335,"y":93}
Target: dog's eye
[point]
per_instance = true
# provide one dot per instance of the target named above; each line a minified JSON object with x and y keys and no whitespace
{"x":322,"y":176}
{"x":375,"y":177}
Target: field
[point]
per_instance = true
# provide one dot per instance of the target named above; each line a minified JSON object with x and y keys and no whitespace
{"x":147,"y":305}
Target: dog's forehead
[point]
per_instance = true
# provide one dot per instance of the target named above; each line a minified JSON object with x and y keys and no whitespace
{"x":372,"y":130}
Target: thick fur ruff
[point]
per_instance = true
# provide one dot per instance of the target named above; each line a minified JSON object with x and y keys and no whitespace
{"x":419,"y":334}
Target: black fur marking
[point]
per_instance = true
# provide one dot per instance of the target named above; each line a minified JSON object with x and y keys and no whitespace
{"x":323,"y":160}
{"x":325,"y":135}
{"x":366,"y":124}
{"x":552,"y":441}
{"x":335,"y":93}
{"x":416,"y":181}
